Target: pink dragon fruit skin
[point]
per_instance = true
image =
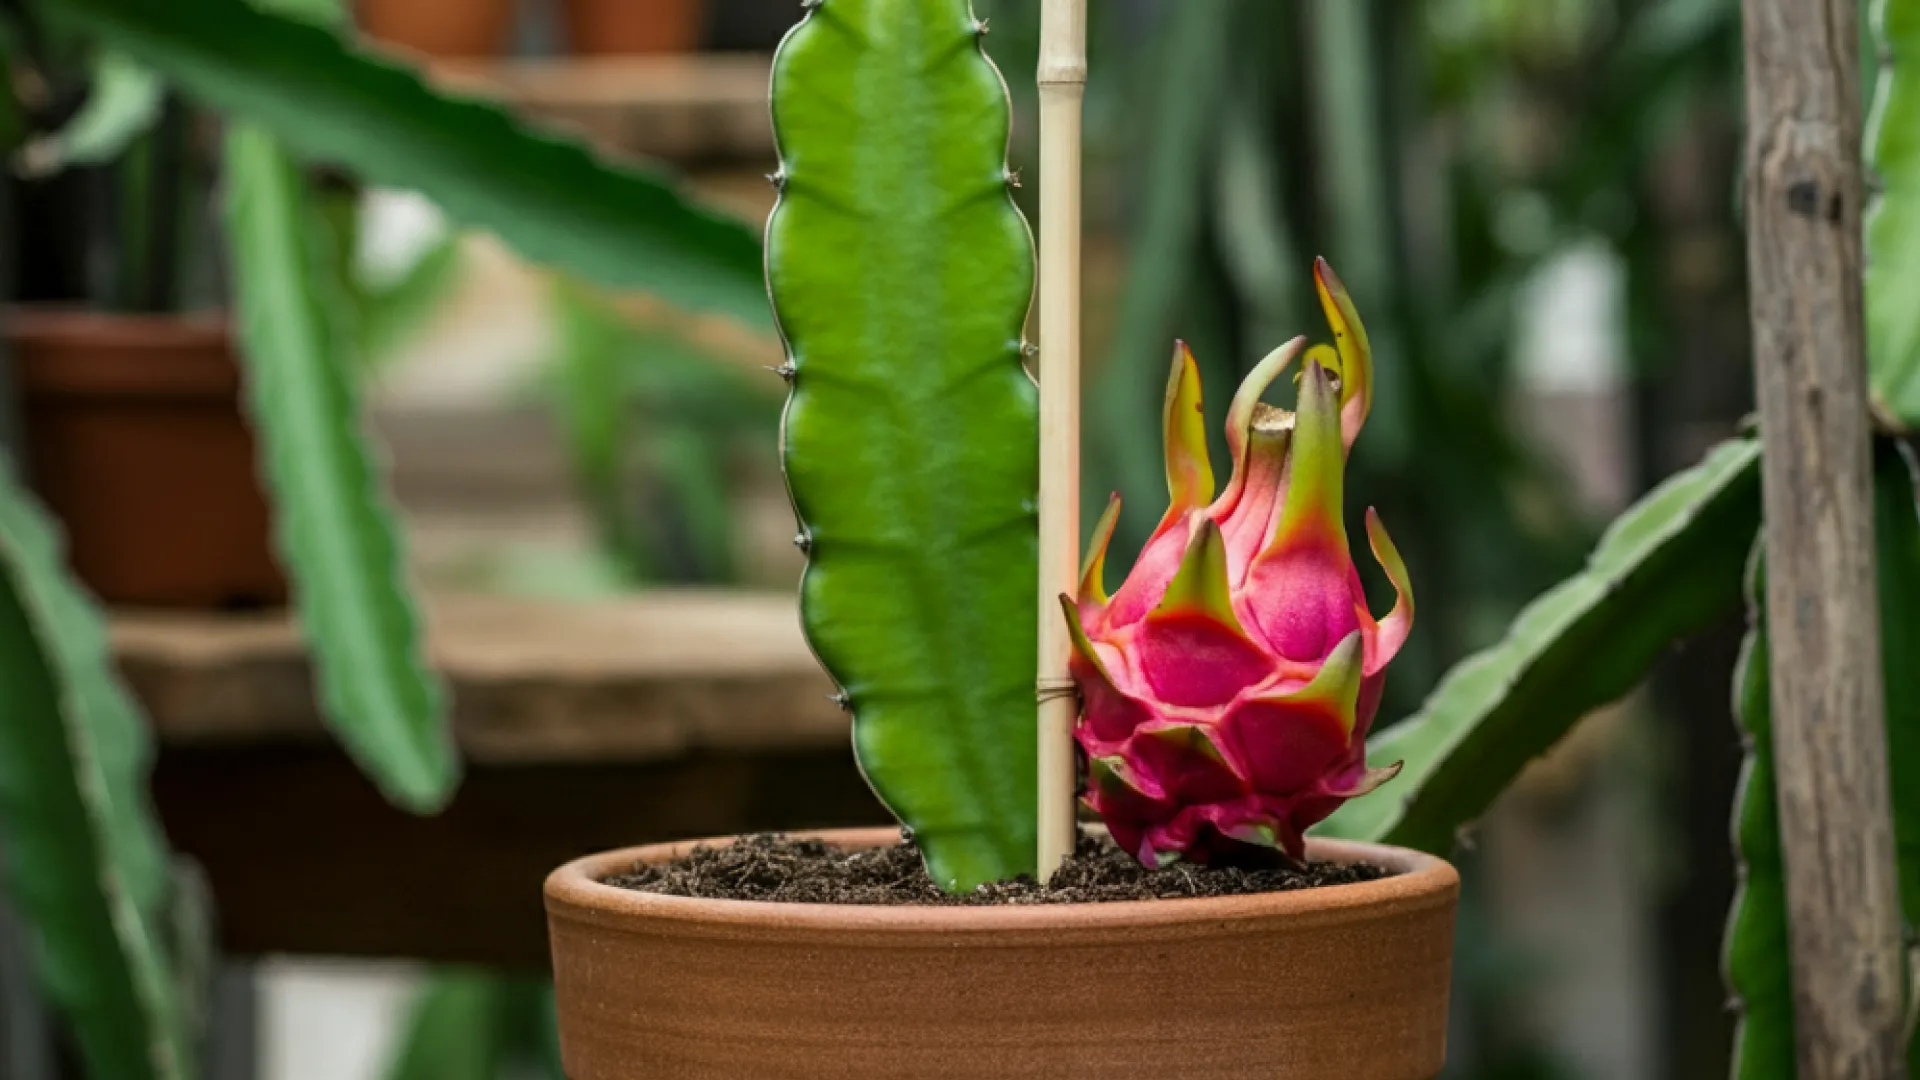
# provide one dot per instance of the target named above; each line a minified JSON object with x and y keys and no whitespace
{"x":1228,"y":686}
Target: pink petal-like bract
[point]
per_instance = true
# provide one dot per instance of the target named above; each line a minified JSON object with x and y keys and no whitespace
{"x":1229,"y":684}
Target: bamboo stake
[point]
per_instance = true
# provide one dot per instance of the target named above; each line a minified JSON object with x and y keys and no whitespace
{"x":1804,"y":202}
{"x":1063,"y":83}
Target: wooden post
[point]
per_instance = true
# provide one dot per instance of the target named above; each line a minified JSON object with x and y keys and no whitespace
{"x":1063,"y":82}
{"x":1804,"y":202}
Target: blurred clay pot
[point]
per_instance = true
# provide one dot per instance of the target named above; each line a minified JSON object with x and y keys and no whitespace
{"x":1340,"y":983}
{"x":443,"y":29}
{"x":135,"y":439}
{"x":634,"y":27}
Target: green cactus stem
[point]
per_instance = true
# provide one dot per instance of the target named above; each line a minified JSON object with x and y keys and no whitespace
{"x":901,"y":275}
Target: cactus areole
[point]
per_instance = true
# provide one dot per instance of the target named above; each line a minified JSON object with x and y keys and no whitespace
{"x":1228,"y":686}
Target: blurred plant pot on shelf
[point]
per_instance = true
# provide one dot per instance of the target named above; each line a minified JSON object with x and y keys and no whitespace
{"x":634,"y":27}
{"x":442,"y":29}
{"x":136,"y":439}
{"x":1340,"y":983}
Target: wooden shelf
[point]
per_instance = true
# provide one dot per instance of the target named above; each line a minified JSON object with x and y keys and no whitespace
{"x":645,"y":679}
{"x":690,"y":110}
{"x":669,"y":715}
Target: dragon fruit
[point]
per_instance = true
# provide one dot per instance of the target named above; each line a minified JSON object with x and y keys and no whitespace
{"x":1228,"y":686}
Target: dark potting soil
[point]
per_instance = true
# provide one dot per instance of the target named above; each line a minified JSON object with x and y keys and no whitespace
{"x":785,"y":870}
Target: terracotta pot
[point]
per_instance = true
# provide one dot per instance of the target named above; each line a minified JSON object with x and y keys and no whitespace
{"x":634,"y":27}
{"x":136,"y":440}
{"x":442,"y":29}
{"x":1345,"y":983}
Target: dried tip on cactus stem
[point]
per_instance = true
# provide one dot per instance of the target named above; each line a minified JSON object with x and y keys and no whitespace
{"x":785,"y":371}
{"x":803,"y":542}
{"x":842,"y":699}
{"x":778,"y":179}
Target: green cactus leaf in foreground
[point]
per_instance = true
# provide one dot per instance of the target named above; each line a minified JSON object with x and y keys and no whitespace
{"x":82,"y":856}
{"x":1757,"y":956}
{"x":1667,"y":568}
{"x":901,"y":275}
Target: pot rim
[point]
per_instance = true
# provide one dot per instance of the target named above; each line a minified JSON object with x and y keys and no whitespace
{"x":47,"y":323}
{"x":577,"y":890}
{"x":75,"y":355}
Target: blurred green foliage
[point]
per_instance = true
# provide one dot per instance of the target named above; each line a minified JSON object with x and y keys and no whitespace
{"x":654,"y":422}
{"x":475,"y":1025}
{"x":333,"y":522}
{"x":81,"y":854}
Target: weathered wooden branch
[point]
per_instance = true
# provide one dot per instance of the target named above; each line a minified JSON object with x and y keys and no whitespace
{"x":1804,"y":201}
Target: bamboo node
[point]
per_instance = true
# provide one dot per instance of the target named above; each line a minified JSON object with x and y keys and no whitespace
{"x":1063,"y":73}
{"x":1045,"y":690}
